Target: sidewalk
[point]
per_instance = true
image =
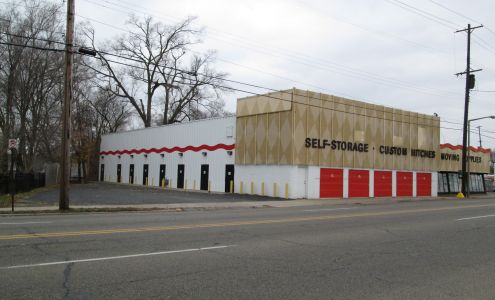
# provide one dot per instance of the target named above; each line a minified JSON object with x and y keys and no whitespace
{"x":226,"y":205}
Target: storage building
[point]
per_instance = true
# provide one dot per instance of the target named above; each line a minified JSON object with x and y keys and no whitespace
{"x":294,"y":144}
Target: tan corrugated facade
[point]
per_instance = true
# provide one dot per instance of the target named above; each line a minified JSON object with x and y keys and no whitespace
{"x":274,"y":129}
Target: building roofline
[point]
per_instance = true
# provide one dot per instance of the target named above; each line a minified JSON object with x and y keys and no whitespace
{"x":169,"y":125}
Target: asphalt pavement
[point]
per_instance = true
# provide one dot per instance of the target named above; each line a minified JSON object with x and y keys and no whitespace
{"x":98,"y":193}
{"x":399,"y":250}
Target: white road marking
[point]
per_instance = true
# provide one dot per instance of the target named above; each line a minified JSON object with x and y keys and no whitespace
{"x":479,"y":217}
{"x":326,"y":209}
{"x":114,"y":257}
{"x":25,"y":223}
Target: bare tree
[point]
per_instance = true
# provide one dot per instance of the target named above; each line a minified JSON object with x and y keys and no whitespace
{"x":29,"y":76}
{"x":153,"y":61}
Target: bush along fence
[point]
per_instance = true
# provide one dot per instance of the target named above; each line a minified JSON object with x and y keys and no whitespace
{"x":24,"y":182}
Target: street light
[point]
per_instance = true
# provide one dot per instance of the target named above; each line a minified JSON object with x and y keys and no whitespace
{"x":468,"y":179}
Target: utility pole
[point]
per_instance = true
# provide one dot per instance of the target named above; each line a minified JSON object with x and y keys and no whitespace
{"x":66,"y":128}
{"x":479,"y":134}
{"x":469,"y":82}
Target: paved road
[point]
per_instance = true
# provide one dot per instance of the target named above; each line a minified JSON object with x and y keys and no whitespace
{"x":415,"y":250}
{"x":113,"y":194}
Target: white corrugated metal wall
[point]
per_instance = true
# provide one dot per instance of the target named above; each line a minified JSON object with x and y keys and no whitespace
{"x":200,"y":142}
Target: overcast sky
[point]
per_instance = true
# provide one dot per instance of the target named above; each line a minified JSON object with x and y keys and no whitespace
{"x":398,"y":53}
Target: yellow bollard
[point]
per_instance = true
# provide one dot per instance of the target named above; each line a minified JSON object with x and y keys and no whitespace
{"x":209,"y":186}
{"x":274,"y":189}
{"x":231,"y":186}
{"x":240,"y":188}
{"x":262,"y":188}
{"x":286,"y":191}
{"x":163,"y":182}
{"x":252,"y":187}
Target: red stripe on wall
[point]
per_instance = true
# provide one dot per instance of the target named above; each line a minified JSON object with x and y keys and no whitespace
{"x":170,"y":150}
{"x":459,"y":147}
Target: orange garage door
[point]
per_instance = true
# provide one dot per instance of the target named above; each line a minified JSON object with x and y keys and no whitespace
{"x":404,"y":184}
{"x":383,"y":183}
{"x":331,"y":183}
{"x":359,"y":183}
{"x":423,"y":184}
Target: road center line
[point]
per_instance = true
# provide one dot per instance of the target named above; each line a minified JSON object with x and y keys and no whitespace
{"x":326,"y":209}
{"x":478,"y":217}
{"x":62,"y":234}
{"x":114,"y":257}
{"x":25,"y":223}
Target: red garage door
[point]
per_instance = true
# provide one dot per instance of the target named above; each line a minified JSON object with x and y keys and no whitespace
{"x":359,"y":183}
{"x":404,"y":184}
{"x":331,"y":183}
{"x":383,"y":183}
{"x":423,"y":184}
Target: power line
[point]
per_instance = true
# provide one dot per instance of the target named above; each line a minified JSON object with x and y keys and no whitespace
{"x":272,"y":97}
{"x":462,"y":15}
{"x":227,"y":80}
{"x":304,"y":60}
{"x":424,"y":14}
{"x":33,"y":38}
{"x":286,"y":100}
{"x":32,"y":47}
{"x":483,"y":44}
{"x":213,"y":77}
{"x":343,"y":70}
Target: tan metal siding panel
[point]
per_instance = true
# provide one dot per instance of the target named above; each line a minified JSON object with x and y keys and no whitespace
{"x":273,"y":138}
{"x":300,"y":128}
{"x":326,"y":128}
{"x":261,"y":139}
{"x":313,"y":126}
{"x":337,"y":125}
{"x":250,"y":154}
{"x":286,"y":138}
{"x":240,"y":141}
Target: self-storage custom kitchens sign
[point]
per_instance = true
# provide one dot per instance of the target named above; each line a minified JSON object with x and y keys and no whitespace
{"x":339,"y":145}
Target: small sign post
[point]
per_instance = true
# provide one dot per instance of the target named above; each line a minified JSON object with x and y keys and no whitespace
{"x":12,"y":149}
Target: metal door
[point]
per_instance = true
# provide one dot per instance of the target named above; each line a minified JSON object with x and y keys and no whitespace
{"x":404,"y":184}
{"x":180,"y":176}
{"x":204,"y":177}
{"x":382,"y":183}
{"x":331,"y":183}
{"x":423,"y":184}
{"x":119,"y":173}
{"x":145,"y":174}
{"x":162,"y":176}
{"x":359,"y":183}
{"x":229,"y":177}
{"x":102,"y":172}
{"x":131,"y":173}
